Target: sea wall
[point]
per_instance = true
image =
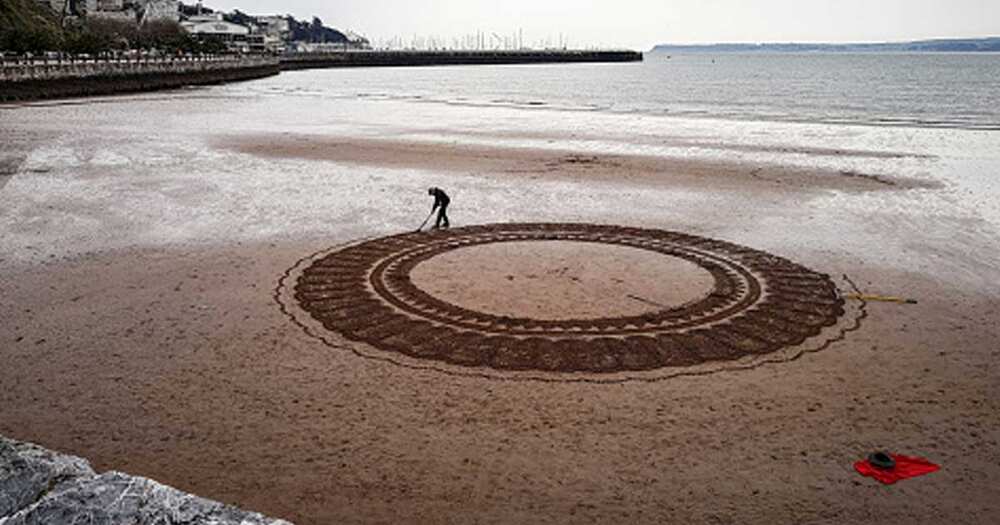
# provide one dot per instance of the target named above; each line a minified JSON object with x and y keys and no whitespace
{"x":446,"y":58}
{"x":41,"y":486}
{"x":30,"y":80}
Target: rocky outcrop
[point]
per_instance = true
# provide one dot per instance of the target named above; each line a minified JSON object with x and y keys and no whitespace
{"x":29,"y":473}
{"x":39,"y":486}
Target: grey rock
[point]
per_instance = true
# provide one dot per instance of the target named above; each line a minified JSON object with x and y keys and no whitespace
{"x":28,"y":473}
{"x":115,"y":498}
{"x":41,"y":487}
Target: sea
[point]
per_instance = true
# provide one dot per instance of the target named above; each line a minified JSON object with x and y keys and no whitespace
{"x":935,"y":90}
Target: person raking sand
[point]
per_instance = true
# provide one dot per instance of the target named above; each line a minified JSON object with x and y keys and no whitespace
{"x":441,"y":202}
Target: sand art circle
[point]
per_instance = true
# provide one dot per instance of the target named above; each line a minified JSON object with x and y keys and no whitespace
{"x":565,"y":298}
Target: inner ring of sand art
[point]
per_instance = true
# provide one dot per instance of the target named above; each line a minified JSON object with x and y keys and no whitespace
{"x":561,"y":280}
{"x":565,"y":298}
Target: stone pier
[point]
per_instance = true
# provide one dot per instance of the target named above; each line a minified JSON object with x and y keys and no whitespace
{"x":365,"y":58}
{"x":40,"y":79}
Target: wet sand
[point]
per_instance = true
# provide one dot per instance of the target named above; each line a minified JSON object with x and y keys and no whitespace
{"x":534,"y":163}
{"x":174,"y":361}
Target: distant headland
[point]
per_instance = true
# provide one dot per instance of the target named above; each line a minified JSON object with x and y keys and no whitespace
{"x":954,"y":45}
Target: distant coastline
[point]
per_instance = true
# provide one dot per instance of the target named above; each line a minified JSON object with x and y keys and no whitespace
{"x":956,"y":45}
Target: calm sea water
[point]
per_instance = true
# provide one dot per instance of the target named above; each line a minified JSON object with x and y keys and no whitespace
{"x":921,"y":90}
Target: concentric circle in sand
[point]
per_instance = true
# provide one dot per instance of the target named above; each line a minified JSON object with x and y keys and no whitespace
{"x":566,"y":298}
{"x":560,"y":280}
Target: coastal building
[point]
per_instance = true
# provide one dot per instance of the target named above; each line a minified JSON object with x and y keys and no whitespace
{"x":274,"y":25}
{"x":264,"y":43}
{"x":265,"y":34}
{"x":270,"y":34}
{"x":235,"y":36}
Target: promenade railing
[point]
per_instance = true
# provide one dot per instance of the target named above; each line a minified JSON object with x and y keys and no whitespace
{"x":25,"y":67}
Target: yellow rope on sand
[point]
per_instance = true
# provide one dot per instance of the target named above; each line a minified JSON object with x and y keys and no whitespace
{"x":880,"y":298}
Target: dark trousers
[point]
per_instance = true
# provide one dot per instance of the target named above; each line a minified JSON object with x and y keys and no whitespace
{"x":442,"y":217}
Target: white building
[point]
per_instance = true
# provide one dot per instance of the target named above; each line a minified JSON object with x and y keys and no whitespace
{"x":270,"y":34}
{"x":235,"y":36}
{"x":273,"y":25}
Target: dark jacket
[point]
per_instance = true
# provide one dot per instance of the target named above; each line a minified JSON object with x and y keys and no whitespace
{"x":440,"y":199}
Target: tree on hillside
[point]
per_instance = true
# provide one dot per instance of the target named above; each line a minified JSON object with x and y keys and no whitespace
{"x":194,"y":9}
{"x":101,"y":35}
{"x":314,"y":32}
{"x":162,"y":34}
{"x":316,"y":29}
{"x":239,"y":17}
{"x":29,"y":40}
{"x":28,"y":26}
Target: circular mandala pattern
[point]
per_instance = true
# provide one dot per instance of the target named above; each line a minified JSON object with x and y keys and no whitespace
{"x":759,"y":303}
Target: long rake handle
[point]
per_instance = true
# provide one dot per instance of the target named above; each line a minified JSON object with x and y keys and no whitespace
{"x":425,"y":221}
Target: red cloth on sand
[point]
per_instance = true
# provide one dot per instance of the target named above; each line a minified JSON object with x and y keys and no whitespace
{"x":906,"y":467}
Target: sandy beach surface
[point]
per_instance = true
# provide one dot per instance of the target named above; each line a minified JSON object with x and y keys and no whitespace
{"x":140,"y":257}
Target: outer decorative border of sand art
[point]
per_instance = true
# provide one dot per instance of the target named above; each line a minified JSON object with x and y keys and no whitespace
{"x":284,"y":294}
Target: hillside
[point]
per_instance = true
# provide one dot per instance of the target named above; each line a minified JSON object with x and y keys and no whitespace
{"x":312,"y":31}
{"x":21,"y":13}
{"x":28,"y":25}
{"x":315,"y":32}
{"x":31,"y":26}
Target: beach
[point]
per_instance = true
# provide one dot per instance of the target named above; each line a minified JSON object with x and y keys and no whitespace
{"x":146,"y":237}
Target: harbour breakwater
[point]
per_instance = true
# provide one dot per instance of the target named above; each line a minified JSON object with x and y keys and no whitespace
{"x":362,"y":58}
{"x":43,"y":79}
{"x":25,"y":80}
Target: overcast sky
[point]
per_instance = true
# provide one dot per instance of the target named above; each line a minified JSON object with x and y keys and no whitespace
{"x":640,"y":24}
